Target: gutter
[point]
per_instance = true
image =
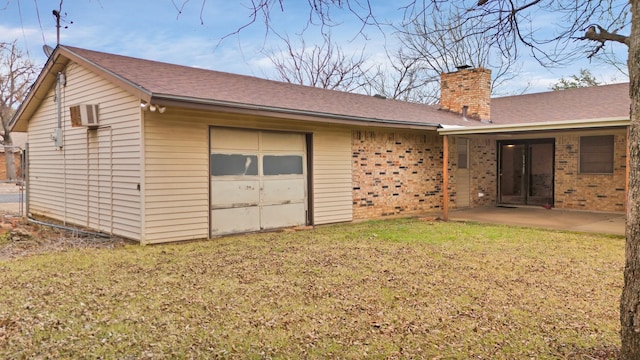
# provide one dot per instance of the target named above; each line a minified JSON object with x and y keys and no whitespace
{"x":176,"y":100}
{"x":622,"y":121}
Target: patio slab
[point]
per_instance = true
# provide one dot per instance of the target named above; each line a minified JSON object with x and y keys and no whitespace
{"x":572,"y":220}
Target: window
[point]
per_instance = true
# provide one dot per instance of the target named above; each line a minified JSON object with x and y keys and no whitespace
{"x":596,"y":154}
{"x":463,"y":154}
{"x":247,"y":165}
{"x":282,"y":164}
{"x":233,"y":164}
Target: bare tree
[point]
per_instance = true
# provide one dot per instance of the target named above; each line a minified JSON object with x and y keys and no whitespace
{"x":325,"y":66}
{"x":403,"y":78}
{"x":430,"y":45}
{"x":441,"y":41}
{"x":630,"y":299}
{"x":16,"y":75}
{"x":504,"y":24}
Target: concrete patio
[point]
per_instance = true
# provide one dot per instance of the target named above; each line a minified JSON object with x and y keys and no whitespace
{"x":572,"y":220}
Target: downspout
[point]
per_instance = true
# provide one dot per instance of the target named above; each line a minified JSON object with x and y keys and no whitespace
{"x":142,"y":188}
{"x":58,"y":138}
{"x":445,"y":177}
{"x":111,"y":180}
{"x":88,"y":167}
{"x":27,"y":181}
{"x":61,"y":81}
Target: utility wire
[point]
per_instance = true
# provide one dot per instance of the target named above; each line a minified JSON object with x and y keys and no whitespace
{"x":44,"y":42}
{"x":24,"y":34}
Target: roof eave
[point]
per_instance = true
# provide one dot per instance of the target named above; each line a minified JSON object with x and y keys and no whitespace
{"x":133,"y":88}
{"x":226,"y":106}
{"x":47,"y":77}
{"x":539,"y":126}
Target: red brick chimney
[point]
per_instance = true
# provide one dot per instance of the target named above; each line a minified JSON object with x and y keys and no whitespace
{"x":467,"y":90}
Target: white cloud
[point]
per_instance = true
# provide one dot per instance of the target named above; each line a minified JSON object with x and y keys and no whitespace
{"x":12,"y":33}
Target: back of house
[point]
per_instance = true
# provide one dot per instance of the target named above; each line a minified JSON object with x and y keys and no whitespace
{"x":157,"y":152}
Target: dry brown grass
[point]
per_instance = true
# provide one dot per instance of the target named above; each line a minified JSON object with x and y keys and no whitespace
{"x":389,"y":289}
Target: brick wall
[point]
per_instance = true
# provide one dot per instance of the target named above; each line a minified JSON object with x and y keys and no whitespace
{"x":467,"y":87}
{"x":396,"y":174}
{"x":483,"y":166}
{"x":602,"y":192}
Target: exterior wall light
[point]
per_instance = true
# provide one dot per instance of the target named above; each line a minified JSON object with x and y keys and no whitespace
{"x":152,"y":107}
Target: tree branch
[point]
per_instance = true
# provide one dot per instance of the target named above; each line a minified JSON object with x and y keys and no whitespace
{"x":600,"y":34}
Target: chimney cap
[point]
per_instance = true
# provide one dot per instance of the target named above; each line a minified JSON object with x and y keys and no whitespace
{"x":462,"y":67}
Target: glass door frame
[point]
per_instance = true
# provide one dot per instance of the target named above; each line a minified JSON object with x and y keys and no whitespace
{"x":526,"y":180}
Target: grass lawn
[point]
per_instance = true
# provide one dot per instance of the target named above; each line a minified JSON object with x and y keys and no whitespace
{"x":384,"y":289}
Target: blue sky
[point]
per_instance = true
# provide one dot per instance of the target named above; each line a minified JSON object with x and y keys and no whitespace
{"x":155,"y":30}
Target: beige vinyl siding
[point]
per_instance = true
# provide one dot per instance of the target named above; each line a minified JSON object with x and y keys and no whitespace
{"x":92,"y":181}
{"x":177,"y":170}
{"x":332,"y":177}
{"x":176,"y":178}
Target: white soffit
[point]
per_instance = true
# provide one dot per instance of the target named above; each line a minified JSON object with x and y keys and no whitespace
{"x":539,"y":126}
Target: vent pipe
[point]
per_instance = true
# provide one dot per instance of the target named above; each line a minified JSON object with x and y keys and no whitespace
{"x":57,"y":132}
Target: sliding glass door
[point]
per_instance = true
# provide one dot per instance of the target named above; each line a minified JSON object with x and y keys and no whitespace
{"x":526,"y":172}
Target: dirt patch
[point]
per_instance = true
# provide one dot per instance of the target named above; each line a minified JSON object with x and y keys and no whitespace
{"x":19,"y":238}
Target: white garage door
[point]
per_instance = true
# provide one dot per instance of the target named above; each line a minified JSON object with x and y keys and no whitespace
{"x":258,"y":180}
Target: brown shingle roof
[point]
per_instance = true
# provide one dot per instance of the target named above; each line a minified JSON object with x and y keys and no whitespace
{"x":162,"y":79}
{"x":156,"y":80}
{"x":597,"y":102}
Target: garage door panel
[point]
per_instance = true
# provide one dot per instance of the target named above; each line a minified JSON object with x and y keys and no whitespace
{"x":275,"y":216}
{"x":234,"y":139}
{"x":283,"y":191}
{"x":235,"y":193}
{"x":282,"y":141}
{"x":238,"y":220}
{"x":258,"y":180}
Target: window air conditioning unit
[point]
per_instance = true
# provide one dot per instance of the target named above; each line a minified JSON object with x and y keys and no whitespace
{"x":84,"y":115}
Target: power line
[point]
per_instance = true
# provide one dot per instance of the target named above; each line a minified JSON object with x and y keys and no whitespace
{"x":44,"y":42}
{"x":24,"y":34}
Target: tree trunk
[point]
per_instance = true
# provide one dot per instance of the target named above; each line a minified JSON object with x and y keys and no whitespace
{"x":630,"y":299}
{"x":8,"y":150}
{"x":9,"y":157}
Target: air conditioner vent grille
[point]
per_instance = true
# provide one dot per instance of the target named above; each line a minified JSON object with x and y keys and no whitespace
{"x":84,"y":115}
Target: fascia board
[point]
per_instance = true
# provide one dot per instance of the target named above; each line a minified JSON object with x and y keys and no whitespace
{"x":540,"y":126}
